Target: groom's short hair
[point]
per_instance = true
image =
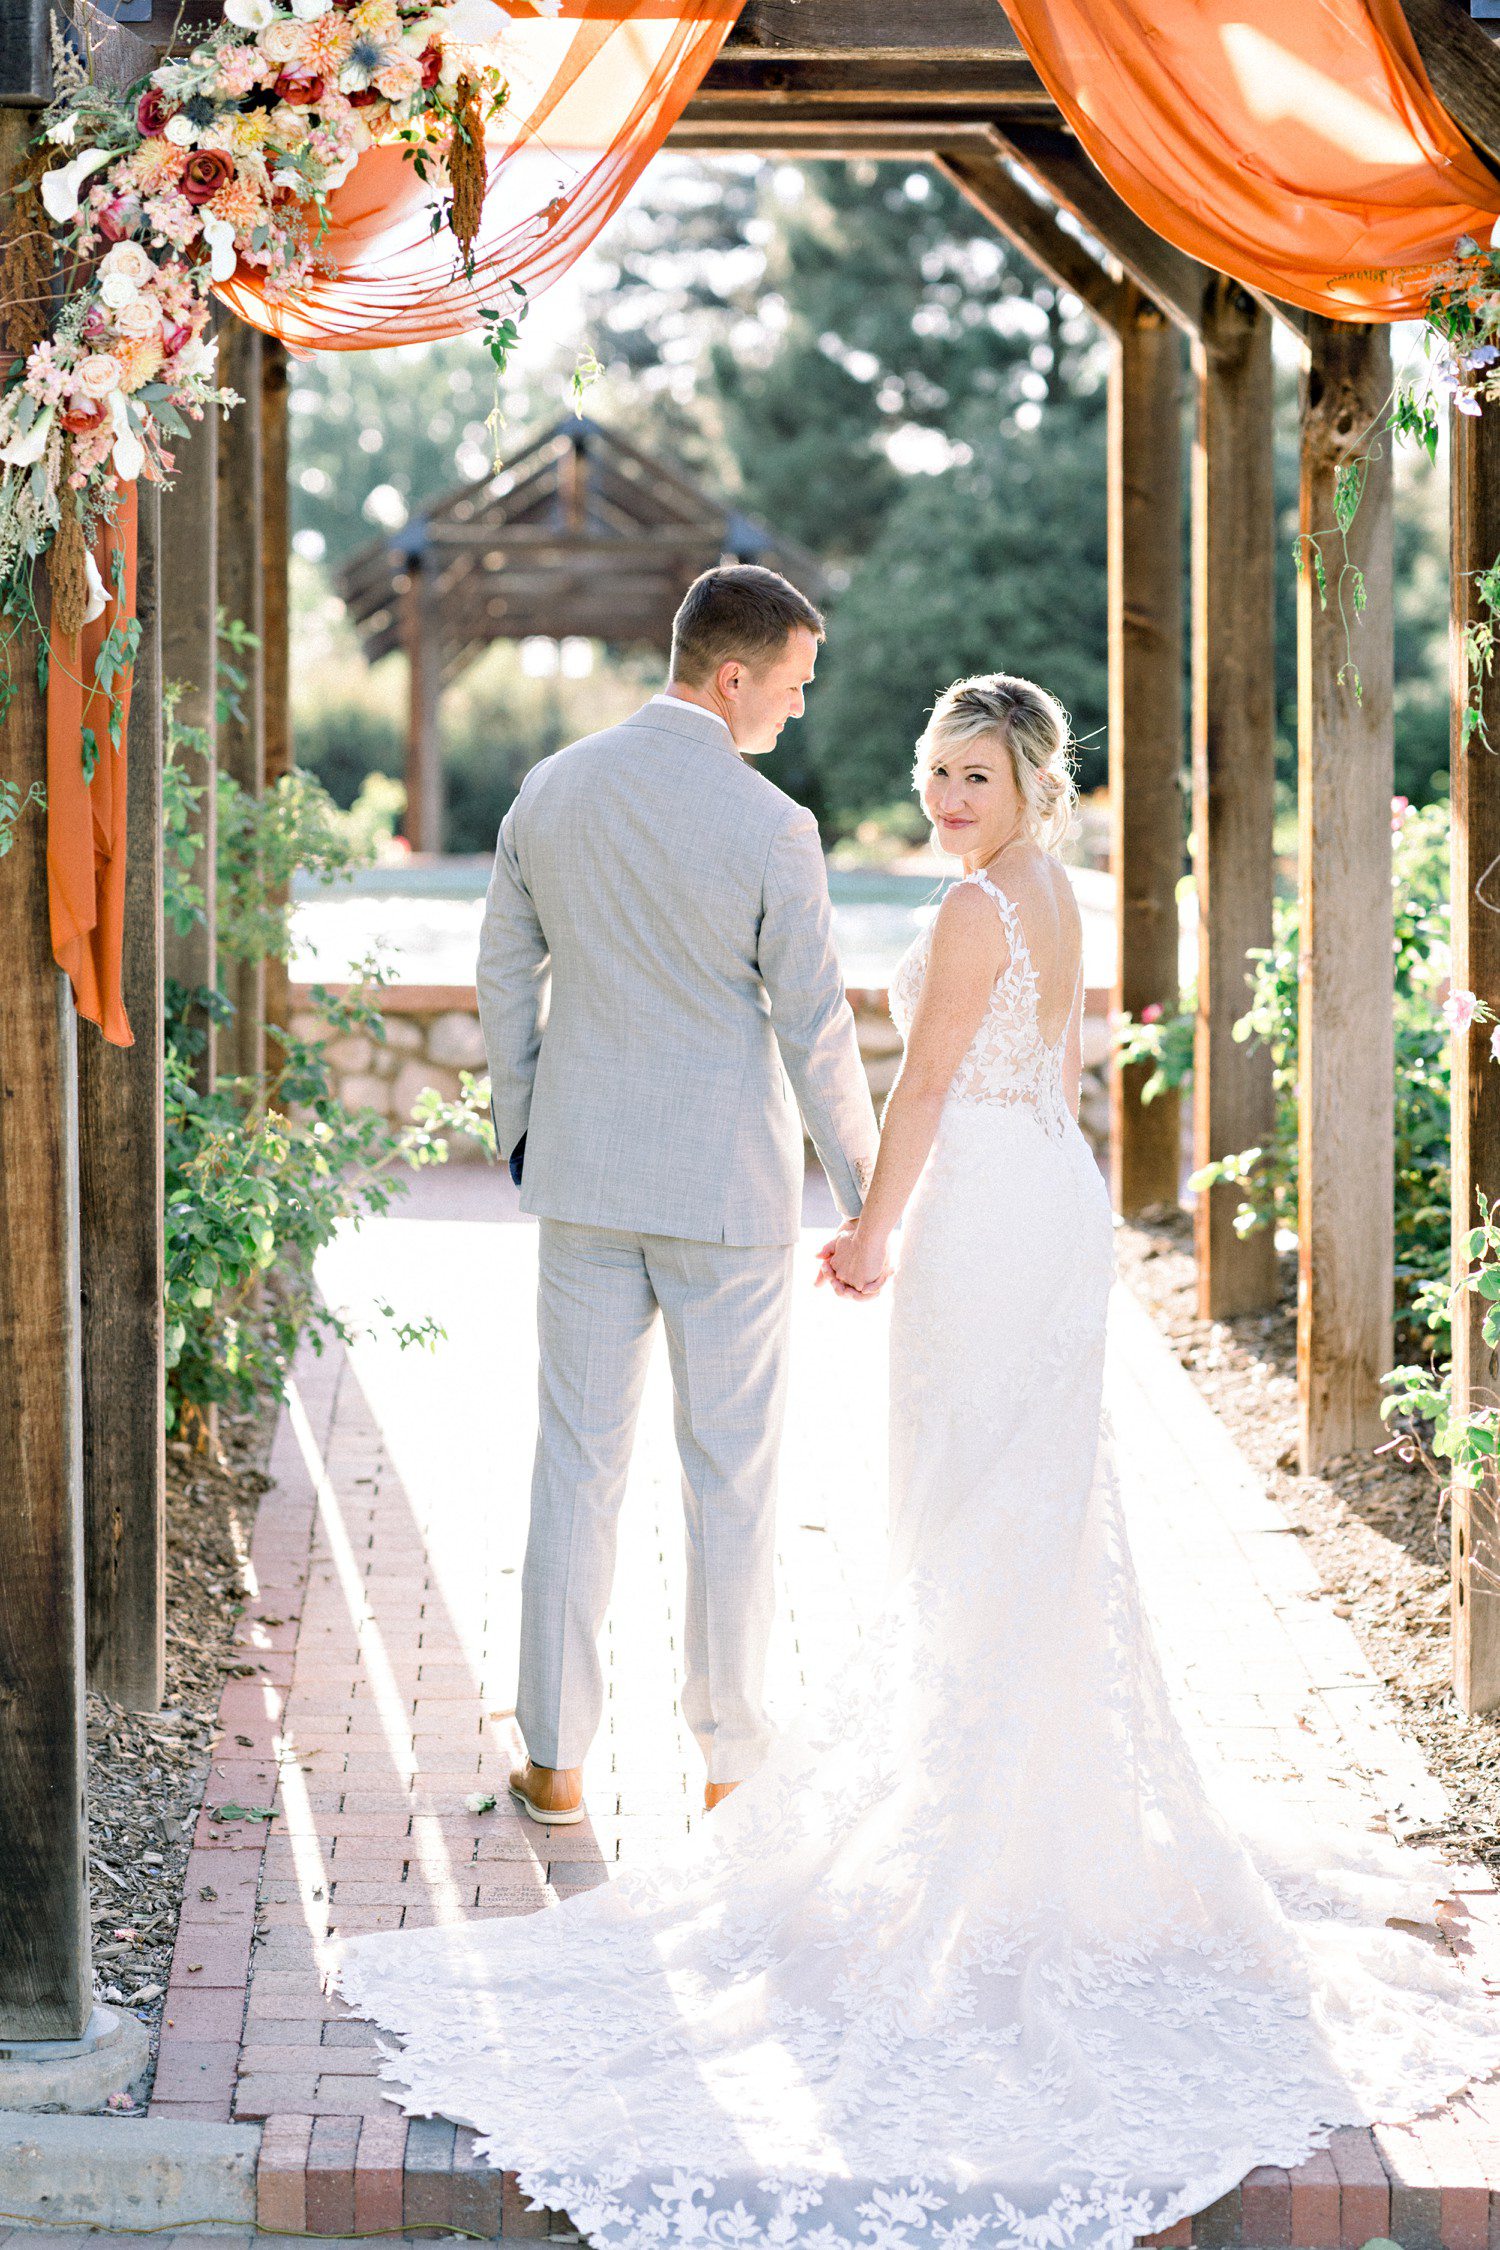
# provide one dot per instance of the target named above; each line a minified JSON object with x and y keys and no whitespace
{"x":741,"y":613}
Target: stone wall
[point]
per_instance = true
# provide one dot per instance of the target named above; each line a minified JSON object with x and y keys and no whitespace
{"x":432,"y":1033}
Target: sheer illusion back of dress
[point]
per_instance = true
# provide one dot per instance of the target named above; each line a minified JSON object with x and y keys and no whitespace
{"x":973,"y":1960}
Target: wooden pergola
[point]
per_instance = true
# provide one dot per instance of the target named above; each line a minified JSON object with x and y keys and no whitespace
{"x":581,"y":533}
{"x":940,"y":81}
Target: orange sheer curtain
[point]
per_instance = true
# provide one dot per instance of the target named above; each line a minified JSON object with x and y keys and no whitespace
{"x":86,"y":819}
{"x":593,"y":94}
{"x":1296,"y":144}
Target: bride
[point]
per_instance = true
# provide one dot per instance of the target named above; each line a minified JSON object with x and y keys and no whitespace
{"x":974,"y":1958}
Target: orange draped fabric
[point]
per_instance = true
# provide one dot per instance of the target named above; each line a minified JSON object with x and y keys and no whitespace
{"x":86,"y":820}
{"x":593,"y":94}
{"x":1296,"y":144}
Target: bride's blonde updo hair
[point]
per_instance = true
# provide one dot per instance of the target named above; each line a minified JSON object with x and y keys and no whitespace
{"x":1034,"y":728}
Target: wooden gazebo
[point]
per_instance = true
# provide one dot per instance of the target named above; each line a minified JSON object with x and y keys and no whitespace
{"x":942,"y":81}
{"x":581,"y":533}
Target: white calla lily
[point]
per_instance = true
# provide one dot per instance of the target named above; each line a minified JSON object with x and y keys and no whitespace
{"x":222,"y":255}
{"x":98,"y":595}
{"x":32,"y":444}
{"x":127,"y":455}
{"x":62,"y":186}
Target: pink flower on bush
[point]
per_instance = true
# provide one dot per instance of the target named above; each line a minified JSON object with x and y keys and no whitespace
{"x":1400,"y":807}
{"x":1459,"y":1009}
{"x":1152,"y":1012}
{"x":1495,"y":1044}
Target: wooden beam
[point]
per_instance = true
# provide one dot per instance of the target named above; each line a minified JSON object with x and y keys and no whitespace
{"x":1032,"y":227}
{"x":737,"y":85}
{"x":1146,"y":765}
{"x":1460,"y":60}
{"x":1234,"y":772}
{"x":276,"y":549}
{"x":1345,"y":753}
{"x":1475,"y":536}
{"x":1177,"y":282}
{"x":120,"y":1150}
{"x":242,"y":728}
{"x":786,"y":30}
{"x":838,"y":138}
{"x":45,"y":1976}
{"x":189,"y":655}
{"x":424,"y":757}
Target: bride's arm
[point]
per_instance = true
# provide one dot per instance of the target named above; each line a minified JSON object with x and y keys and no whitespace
{"x":968,"y":952}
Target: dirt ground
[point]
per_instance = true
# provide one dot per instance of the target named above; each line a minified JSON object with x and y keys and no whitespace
{"x":1376,"y":1526}
{"x":147,"y":1770}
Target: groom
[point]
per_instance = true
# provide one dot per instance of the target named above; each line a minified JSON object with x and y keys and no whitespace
{"x":656,"y":963}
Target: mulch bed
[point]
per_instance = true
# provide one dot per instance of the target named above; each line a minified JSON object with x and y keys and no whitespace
{"x":1376,"y":1526}
{"x":147,"y":1770}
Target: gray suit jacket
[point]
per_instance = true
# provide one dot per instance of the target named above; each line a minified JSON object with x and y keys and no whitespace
{"x":657,"y":928}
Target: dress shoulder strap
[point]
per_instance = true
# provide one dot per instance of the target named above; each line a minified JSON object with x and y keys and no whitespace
{"x":1009,"y":913}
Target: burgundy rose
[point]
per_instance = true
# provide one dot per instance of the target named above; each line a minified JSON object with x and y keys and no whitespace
{"x":95,"y":322}
{"x":365,"y":96}
{"x":431,"y":59}
{"x":174,"y":335}
{"x":79,"y":420}
{"x":299,"y":86}
{"x":205,"y":172}
{"x":152,"y":111}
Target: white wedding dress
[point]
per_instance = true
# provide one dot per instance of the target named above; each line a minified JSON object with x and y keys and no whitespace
{"x":972,"y":1960}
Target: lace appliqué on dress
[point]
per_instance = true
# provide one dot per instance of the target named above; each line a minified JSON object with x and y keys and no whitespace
{"x":1008,"y":1061}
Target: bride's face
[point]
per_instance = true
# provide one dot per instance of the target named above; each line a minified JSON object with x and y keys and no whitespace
{"x":969,"y":794}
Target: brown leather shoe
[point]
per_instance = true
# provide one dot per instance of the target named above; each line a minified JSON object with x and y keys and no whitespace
{"x":554,"y":1796}
{"x":716,"y":1792}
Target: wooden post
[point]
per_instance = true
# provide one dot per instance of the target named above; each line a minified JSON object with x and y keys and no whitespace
{"x":1345,"y":753}
{"x":1145,"y":724}
{"x":45,"y":1978}
{"x":242,"y":731}
{"x":120,"y":1143}
{"x":1234,"y":744}
{"x":424,"y":758}
{"x":276,"y":548}
{"x":189,"y":657}
{"x":1475,"y":535}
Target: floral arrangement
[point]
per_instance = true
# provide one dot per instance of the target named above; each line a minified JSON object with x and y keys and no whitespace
{"x":136,"y":202}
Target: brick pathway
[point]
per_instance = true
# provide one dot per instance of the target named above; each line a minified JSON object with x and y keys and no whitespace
{"x":383,"y":1623}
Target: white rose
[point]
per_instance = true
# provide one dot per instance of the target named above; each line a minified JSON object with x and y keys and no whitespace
{"x":250,"y":15}
{"x":180,"y":130}
{"x":308,"y":11}
{"x":474,"y":22}
{"x":143,"y":318}
{"x":129,"y":259}
{"x":61,"y":187}
{"x":117,"y":290}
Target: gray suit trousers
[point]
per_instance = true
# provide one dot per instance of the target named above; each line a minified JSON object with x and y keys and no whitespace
{"x":726,"y":1309}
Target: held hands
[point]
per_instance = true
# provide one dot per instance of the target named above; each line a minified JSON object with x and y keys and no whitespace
{"x":855,"y":1265}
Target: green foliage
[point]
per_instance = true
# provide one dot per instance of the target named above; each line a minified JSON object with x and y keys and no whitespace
{"x":964,"y":577}
{"x":1268,"y":1176}
{"x":1418,"y":1394}
{"x":260,"y":1173}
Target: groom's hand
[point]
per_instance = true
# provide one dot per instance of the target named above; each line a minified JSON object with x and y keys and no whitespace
{"x":854,"y":1266}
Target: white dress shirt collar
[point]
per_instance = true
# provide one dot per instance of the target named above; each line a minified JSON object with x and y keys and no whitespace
{"x":681,"y":703}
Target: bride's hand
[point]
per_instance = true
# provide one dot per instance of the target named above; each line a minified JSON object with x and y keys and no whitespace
{"x":856,"y":1265}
